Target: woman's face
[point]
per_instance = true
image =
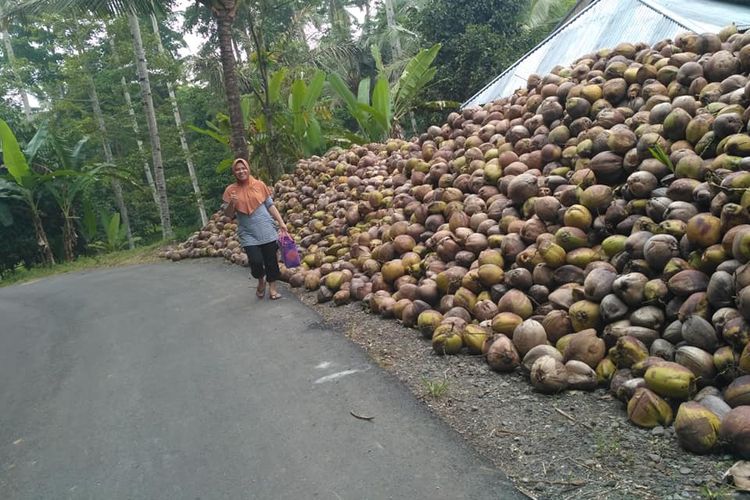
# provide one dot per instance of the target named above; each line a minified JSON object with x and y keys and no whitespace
{"x":241,"y":172}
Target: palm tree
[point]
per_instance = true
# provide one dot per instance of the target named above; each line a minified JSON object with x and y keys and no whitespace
{"x":153,"y":129}
{"x":116,"y":187}
{"x":224,"y":12}
{"x":134,"y":126}
{"x":181,"y":132}
{"x":5,"y":18}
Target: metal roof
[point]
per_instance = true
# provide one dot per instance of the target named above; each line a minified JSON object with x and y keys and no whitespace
{"x":604,"y":24}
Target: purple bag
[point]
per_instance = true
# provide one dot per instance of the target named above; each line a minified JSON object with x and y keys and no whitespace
{"x":289,"y":252}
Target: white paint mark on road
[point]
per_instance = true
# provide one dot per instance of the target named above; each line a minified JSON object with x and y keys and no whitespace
{"x":324,"y":365}
{"x":335,"y":376}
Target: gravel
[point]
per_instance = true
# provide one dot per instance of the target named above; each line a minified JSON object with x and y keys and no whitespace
{"x":571,"y":445}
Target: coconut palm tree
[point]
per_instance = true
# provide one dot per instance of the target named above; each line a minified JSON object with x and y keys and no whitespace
{"x":224,"y":12}
{"x":5,"y":19}
{"x":181,"y":132}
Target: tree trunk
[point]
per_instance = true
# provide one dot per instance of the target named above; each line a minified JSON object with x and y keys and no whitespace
{"x":396,"y":52}
{"x":153,"y":130}
{"x":181,"y":131}
{"x":224,"y":20}
{"x":116,"y":187}
{"x":69,"y":238}
{"x":274,"y":163}
{"x":12,"y":64}
{"x":391,"y":20}
{"x":41,"y":237}
{"x":134,"y":125}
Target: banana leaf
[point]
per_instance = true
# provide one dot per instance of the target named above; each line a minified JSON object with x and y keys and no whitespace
{"x":13,"y":158}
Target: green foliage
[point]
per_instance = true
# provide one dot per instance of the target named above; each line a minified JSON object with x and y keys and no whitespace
{"x":115,"y":234}
{"x":436,"y":388}
{"x":300,"y":123}
{"x":658,"y":152}
{"x":478,"y":44}
{"x":546,"y":13}
{"x":13,"y":158}
{"x":379,"y":115}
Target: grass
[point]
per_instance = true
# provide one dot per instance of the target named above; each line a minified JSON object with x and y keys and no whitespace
{"x":435,"y":389}
{"x":720,"y":493}
{"x":606,"y":444}
{"x":139,"y":255}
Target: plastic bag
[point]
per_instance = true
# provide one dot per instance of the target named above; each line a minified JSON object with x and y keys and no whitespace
{"x":289,"y":252}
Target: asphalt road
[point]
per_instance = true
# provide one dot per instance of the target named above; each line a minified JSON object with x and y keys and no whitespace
{"x":173,"y":381}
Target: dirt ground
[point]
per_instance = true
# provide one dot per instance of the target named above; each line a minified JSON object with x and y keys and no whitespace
{"x":571,"y":445}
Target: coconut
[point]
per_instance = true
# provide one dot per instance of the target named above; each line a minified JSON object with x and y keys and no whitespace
{"x":598,"y":283}
{"x":651,"y":317}
{"x":527,"y":335}
{"x":738,"y":392}
{"x":580,"y":376}
{"x":663,"y":349}
{"x":698,"y":332}
{"x":505,"y":323}
{"x":630,"y":287}
{"x":700,"y":362}
{"x":670,"y":380}
{"x":447,"y":339}
{"x":548,"y":375}
{"x":647,"y":409}
{"x":428,"y":321}
{"x":584,"y":315}
{"x":687,"y":282}
{"x":517,"y":302}
{"x":605,"y":369}
{"x":537,"y":352}
{"x":735,"y":431}
{"x":474,"y":337}
{"x":502,"y":355}
{"x":411,"y":312}
{"x":586,"y":347}
{"x":627,"y":351}
{"x":696,"y":427}
{"x":612,"y":308}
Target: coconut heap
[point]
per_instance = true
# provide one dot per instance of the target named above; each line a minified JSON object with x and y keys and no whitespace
{"x":592,"y":229}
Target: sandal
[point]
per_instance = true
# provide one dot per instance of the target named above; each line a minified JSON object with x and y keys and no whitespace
{"x":275,"y":296}
{"x":261,"y":291}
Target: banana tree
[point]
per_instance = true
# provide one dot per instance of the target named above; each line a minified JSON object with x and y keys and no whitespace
{"x":23,"y":185}
{"x":298,"y":119}
{"x":379,"y":114}
{"x":70,"y":183}
{"x":373,"y":115}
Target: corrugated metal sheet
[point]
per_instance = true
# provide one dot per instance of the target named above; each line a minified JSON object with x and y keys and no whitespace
{"x":605,"y":23}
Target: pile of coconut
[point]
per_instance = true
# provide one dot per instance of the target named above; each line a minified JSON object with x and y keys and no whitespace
{"x":590,"y":230}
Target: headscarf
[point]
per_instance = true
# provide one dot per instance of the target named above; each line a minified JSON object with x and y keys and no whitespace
{"x":249,"y":196}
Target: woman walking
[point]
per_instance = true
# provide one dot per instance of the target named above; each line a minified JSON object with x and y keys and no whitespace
{"x":250,"y":200}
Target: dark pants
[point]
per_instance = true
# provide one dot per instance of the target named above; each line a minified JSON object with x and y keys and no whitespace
{"x":263,"y":261}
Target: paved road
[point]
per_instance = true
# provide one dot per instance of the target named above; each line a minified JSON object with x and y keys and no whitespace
{"x":173,"y":381}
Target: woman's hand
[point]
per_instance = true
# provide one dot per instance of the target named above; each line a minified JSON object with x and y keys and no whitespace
{"x":277,"y":216}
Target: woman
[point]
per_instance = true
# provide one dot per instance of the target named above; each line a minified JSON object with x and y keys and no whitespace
{"x":250,"y":200}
